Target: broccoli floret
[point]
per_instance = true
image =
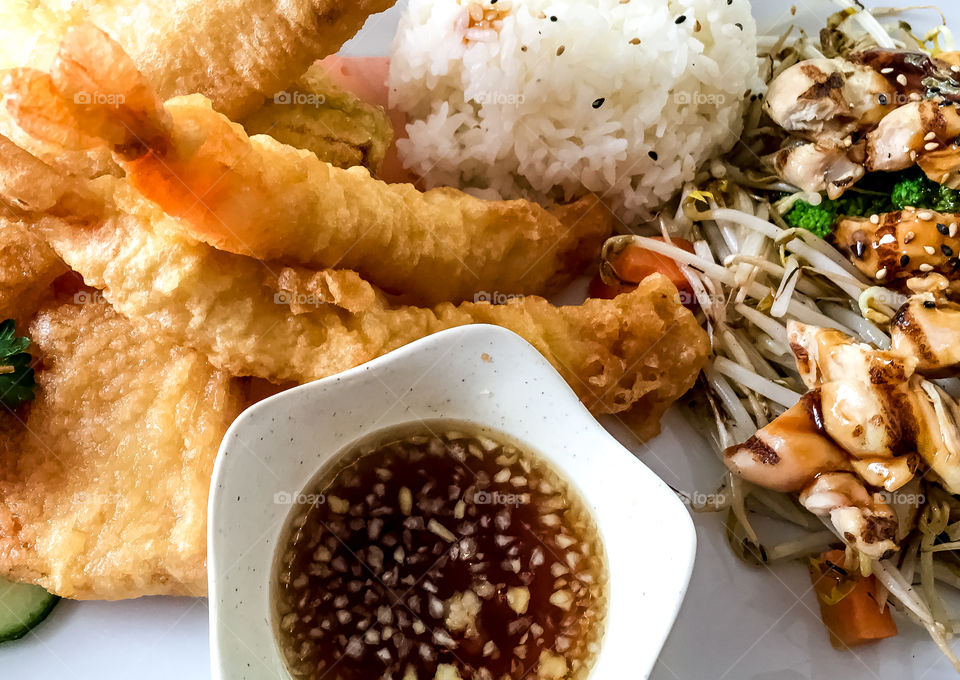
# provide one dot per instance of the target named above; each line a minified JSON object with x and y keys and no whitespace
{"x":947,"y":200}
{"x":857,"y":204}
{"x":818,"y":219}
{"x":877,"y":193}
{"x":915,"y":191}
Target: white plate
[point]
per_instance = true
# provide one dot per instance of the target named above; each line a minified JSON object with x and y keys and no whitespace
{"x":736,"y":624}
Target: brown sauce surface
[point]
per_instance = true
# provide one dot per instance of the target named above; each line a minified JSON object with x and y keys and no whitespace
{"x":440,"y":556}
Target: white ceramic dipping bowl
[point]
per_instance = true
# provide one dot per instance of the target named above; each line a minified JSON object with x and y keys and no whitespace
{"x":479,"y":374}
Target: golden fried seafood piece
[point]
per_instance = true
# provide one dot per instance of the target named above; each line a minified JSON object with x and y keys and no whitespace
{"x":316,"y":115}
{"x":791,"y":451}
{"x":900,"y":245}
{"x":861,"y":517}
{"x":28,"y":268}
{"x":257,"y":197}
{"x":639,"y":351}
{"x":928,"y":328}
{"x":103,"y":492}
{"x":826,"y":100}
{"x":235,"y":52}
{"x":910,"y":132}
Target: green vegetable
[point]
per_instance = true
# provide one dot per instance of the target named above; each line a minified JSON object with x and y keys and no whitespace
{"x":16,"y":374}
{"x":916,"y":190}
{"x":22,"y":607}
{"x":818,"y":219}
{"x":875,"y":194}
{"x":912,"y":191}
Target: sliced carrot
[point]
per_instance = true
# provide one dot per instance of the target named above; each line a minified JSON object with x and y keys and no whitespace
{"x":606,"y":291}
{"x":634,"y":263}
{"x":848,"y":603}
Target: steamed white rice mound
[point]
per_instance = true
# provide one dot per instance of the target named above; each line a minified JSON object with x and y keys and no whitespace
{"x":542,"y":99}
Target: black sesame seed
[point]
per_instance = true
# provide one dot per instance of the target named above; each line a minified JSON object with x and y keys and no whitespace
{"x":653,"y":155}
{"x":554,"y":19}
{"x":929,"y":305}
{"x":740,"y":26}
{"x":904,"y":260}
{"x":597,"y":103}
{"x":680,"y":19}
{"x":946,"y":250}
{"x":943,"y":229}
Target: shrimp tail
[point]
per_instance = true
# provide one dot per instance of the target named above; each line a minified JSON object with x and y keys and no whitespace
{"x":93,"y":96}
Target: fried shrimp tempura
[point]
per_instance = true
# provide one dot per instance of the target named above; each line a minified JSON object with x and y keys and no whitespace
{"x":637,"y":352}
{"x":257,"y":197}
{"x":318,"y":116}
{"x":103,"y":488}
{"x":235,"y":52}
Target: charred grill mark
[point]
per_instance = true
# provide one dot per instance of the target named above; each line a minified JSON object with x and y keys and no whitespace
{"x":887,"y":371}
{"x":843,"y":182}
{"x":879,"y":528}
{"x":813,"y":403}
{"x":802,"y":357}
{"x":902,"y":424}
{"x":908,"y":325}
{"x":762,"y":452}
{"x":830,"y":87}
{"x":887,"y":246}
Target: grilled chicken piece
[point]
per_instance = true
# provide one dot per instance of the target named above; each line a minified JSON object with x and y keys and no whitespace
{"x":913,"y":75}
{"x":875,"y":406}
{"x":866,"y":409}
{"x":826,"y":100}
{"x":929,"y":329}
{"x":901,"y":245}
{"x":891,"y":474}
{"x":943,"y":166}
{"x":815,"y":168}
{"x":910,"y":132}
{"x":790,"y":452}
{"x":812,"y":347}
{"x":862,"y":518}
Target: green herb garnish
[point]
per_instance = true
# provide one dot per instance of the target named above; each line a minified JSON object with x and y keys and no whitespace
{"x":16,"y":371}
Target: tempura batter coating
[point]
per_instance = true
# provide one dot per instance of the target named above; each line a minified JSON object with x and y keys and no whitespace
{"x":103,"y":495}
{"x":258,"y":197}
{"x":235,"y":52}
{"x":640,"y":351}
{"x":28,"y":268}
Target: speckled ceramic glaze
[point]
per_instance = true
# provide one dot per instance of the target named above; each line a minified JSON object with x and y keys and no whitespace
{"x":479,"y":374}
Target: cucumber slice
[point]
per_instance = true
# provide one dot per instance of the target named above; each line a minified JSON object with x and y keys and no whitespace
{"x":22,"y":606}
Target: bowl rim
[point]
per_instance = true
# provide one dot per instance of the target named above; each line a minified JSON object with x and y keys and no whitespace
{"x":618,"y":493}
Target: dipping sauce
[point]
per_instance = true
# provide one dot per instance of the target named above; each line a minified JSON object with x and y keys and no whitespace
{"x":440,"y":556}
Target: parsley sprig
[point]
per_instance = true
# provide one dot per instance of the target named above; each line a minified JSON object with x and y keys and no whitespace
{"x":16,"y":371}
